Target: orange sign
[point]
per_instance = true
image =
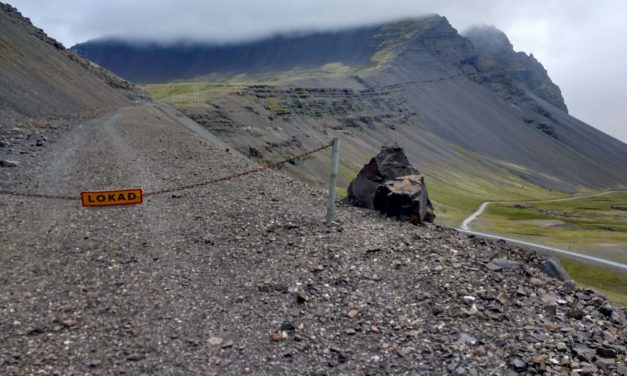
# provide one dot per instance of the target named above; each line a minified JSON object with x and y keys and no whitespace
{"x":111,"y":198}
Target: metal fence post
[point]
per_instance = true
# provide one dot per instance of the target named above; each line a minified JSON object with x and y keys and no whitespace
{"x":335,"y":161}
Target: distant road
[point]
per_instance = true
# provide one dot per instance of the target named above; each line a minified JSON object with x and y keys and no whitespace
{"x":465,"y":228}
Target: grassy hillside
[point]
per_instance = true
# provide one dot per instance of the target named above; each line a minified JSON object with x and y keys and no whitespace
{"x":456,"y":190}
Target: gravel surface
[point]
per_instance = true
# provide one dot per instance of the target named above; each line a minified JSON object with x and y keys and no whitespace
{"x":242,"y":277}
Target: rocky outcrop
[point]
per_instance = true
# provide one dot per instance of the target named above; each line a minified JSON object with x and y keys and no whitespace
{"x":390,"y":184}
{"x":521,"y":69}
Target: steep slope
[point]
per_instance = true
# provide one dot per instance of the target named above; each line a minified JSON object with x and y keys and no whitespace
{"x":461,"y":114}
{"x":40,"y":78}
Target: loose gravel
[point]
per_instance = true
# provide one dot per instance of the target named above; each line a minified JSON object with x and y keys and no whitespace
{"x":243,"y":277}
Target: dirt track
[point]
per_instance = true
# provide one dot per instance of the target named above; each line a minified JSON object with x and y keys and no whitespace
{"x":197,"y":283}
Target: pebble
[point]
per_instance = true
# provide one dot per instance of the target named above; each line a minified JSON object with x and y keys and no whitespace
{"x":215,"y":341}
{"x":279,"y":336}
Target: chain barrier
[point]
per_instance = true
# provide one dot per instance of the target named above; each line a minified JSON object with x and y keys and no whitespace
{"x":273,"y":165}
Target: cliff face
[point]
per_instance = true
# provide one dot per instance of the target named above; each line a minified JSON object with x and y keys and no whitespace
{"x":487,"y":57}
{"x":521,"y":69}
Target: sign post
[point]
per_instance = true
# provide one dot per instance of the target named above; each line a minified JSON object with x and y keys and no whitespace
{"x":335,"y":161}
{"x":112,"y":198}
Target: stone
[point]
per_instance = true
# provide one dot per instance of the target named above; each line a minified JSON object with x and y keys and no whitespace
{"x":404,"y":198}
{"x":215,"y":341}
{"x":583,"y":352}
{"x":279,"y":336}
{"x":93,"y":363}
{"x":228,"y":344}
{"x":549,"y":299}
{"x":254,"y":152}
{"x":502,"y":263}
{"x":472,"y":311}
{"x":466,"y":339}
{"x":301,"y":298}
{"x":606,"y":309}
{"x":351,"y":314}
{"x":518,"y":365}
{"x":8,"y":163}
{"x":68,"y":323}
{"x":394,"y":182}
{"x":135,"y":357}
{"x":552,"y":267}
{"x":607,"y":352}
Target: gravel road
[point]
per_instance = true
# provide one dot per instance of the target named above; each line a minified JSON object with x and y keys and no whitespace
{"x":242,"y":277}
{"x":465,"y":228}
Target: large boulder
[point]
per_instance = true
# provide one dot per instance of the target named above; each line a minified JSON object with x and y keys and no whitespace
{"x":390,"y":184}
{"x":405,"y":198}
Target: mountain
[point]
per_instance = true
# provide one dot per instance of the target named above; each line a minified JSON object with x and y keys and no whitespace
{"x":40,"y":78}
{"x":481,"y":120}
{"x":523,"y":70}
{"x":153,"y":62}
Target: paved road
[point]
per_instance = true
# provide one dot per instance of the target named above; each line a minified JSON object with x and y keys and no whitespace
{"x":465,"y":228}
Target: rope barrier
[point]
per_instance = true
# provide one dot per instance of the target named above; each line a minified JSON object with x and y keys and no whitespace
{"x":272,"y":165}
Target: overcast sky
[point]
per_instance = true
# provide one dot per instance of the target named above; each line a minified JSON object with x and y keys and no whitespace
{"x":582,"y":43}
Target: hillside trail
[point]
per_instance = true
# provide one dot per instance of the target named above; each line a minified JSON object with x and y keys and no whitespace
{"x":135,"y":269}
{"x":243,"y":277}
{"x":466,"y":229}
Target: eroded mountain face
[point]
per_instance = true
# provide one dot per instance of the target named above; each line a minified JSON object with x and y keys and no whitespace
{"x":523,"y":70}
{"x":517,"y":77}
{"x":463,"y":104}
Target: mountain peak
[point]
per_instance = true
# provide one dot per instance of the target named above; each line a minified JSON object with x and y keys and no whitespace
{"x":489,"y":40}
{"x":524,"y":70}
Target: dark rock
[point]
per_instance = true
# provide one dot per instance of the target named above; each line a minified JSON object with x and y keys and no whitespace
{"x":606,"y":309}
{"x":135,"y":357}
{"x":302,"y":298}
{"x":552,"y":267}
{"x":288,"y":327}
{"x":519,"y":365}
{"x":583,"y":352}
{"x":254,"y":152}
{"x":607,"y":352}
{"x":390,"y":163}
{"x":7,"y":163}
{"x":405,"y":198}
{"x":436,"y":310}
{"x":93,"y":363}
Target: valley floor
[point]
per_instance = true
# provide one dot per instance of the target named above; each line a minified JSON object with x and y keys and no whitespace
{"x":586,"y":232}
{"x":242,"y":277}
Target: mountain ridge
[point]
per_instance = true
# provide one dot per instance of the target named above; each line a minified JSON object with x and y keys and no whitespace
{"x":459,"y":114}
